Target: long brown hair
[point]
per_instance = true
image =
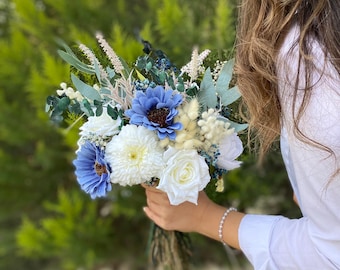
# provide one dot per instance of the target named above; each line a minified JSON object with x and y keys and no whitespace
{"x":262,"y":26}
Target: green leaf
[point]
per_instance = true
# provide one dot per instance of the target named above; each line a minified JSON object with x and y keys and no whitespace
{"x":50,"y":103}
{"x":230,"y":96}
{"x":63,"y":104}
{"x":112,"y":112}
{"x":74,"y":61}
{"x":86,"y":107}
{"x":86,"y":90}
{"x":99,"y":107}
{"x":148,"y":66}
{"x":97,"y":71}
{"x":104,"y":91}
{"x":237,"y":126}
{"x":225,"y":76}
{"x":110,"y":72}
{"x":207,"y":94}
{"x":140,"y":76}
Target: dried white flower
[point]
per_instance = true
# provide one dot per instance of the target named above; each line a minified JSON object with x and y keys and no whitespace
{"x":113,"y":57}
{"x":195,"y":67}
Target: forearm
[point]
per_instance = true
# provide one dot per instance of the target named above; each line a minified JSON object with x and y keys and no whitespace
{"x":210,"y":223}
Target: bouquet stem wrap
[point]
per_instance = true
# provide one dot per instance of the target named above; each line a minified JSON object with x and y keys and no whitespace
{"x":168,"y":249}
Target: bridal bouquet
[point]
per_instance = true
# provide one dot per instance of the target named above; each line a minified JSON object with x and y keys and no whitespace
{"x":148,"y":122}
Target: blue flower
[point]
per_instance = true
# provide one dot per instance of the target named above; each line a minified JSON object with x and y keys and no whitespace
{"x":155,"y":109}
{"x":92,"y":171}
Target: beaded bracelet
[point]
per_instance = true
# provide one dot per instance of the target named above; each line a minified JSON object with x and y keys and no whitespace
{"x":220,"y":229}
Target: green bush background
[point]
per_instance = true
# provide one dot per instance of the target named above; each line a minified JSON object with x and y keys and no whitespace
{"x":46,"y":221}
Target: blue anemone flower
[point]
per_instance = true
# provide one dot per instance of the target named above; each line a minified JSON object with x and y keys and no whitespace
{"x":92,"y":171}
{"x":155,"y":109}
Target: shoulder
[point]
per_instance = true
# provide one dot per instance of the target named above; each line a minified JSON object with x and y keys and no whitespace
{"x":321,"y":117}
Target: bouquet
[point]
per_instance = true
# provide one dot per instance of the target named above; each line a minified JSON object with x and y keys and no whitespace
{"x":149,"y":122}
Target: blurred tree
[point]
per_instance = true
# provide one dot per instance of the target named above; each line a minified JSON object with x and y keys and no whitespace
{"x":62,"y":228}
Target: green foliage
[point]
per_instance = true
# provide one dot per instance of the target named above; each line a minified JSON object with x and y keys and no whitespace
{"x":83,"y":232}
{"x":67,"y":230}
{"x":74,"y":232}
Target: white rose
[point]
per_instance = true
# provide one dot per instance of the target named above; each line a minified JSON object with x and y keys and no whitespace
{"x":102,"y":125}
{"x":186,"y":173}
{"x":230,"y":148}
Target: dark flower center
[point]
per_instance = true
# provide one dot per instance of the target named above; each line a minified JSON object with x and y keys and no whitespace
{"x":159,"y":116}
{"x":100,"y":169}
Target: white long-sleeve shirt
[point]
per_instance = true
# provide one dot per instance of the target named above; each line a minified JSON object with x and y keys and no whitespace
{"x":313,"y":241}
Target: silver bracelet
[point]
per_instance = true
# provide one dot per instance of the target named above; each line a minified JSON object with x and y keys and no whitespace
{"x":220,"y":228}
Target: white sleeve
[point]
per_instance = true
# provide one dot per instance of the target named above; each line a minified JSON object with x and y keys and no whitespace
{"x":278,"y":243}
{"x":313,"y":241}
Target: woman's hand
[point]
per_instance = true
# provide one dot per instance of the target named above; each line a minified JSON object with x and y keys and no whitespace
{"x":185,"y":217}
{"x":203,"y":218}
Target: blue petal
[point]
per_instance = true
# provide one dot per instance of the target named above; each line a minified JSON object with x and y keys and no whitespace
{"x":177,"y":126}
{"x":88,"y":179}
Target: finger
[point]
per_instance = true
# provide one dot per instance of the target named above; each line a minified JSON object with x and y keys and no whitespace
{"x":157,"y":219}
{"x":160,"y":197}
{"x":153,"y":189}
{"x":150,"y":214}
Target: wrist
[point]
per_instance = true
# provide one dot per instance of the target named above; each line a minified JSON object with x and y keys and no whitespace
{"x":210,"y":222}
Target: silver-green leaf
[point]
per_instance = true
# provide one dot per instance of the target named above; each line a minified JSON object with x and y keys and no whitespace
{"x":85,"y":89}
{"x":207,"y":93}
{"x":229,"y":96}
{"x":225,"y":76}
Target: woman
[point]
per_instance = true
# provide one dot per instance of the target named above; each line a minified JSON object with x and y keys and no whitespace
{"x":287,"y":66}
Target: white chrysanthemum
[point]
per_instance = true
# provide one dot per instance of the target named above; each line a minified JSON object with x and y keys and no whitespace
{"x":103,"y":126}
{"x":134,"y":156}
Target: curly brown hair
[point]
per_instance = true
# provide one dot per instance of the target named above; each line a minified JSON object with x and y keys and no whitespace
{"x":262,"y":27}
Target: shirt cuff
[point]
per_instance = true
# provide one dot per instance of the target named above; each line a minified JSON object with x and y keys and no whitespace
{"x":254,"y":238}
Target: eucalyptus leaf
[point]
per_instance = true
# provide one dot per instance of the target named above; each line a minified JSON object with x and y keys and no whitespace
{"x":225,"y":76}
{"x":86,"y":90}
{"x":112,"y":112}
{"x":104,"y":91}
{"x":86,"y":107}
{"x":207,"y":94}
{"x":162,"y":77}
{"x":74,"y":61}
{"x":99,"y":107}
{"x":63,"y":104}
{"x":229,"y":96}
{"x":97,"y":71}
{"x":57,"y":118}
{"x":75,"y":108}
{"x":51,"y":101}
{"x":110,"y":72}
{"x":237,"y":126}
{"x":148,"y":66}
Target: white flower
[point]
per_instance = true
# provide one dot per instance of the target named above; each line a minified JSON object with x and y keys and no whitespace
{"x":230,"y":148}
{"x":134,"y":156}
{"x":103,"y":125}
{"x":186,"y":173}
{"x":69,"y":92}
